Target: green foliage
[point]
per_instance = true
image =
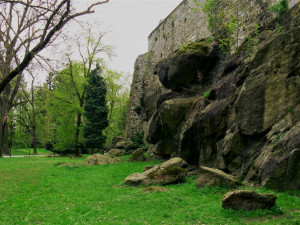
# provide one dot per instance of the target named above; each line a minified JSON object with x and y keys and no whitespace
{"x":95,"y":110}
{"x":64,"y":104}
{"x":207,"y":94}
{"x":279,"y":8}
{"x":32,"y":197}
{"x":118,"y":102}
{"x":280,"y":29}
{"x":138,"y":138}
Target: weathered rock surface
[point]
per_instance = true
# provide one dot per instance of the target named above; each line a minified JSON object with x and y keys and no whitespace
{"x":165,"y":123}
{"x":251,"y":126}
{"x":183,"y":68}
{"x":247,"y":200}
{"x":213,"y":177}
{"x":137,"y":156}
{"x":168,"y":172}
{"x":116,"y":152}
{"x":98,"y":159}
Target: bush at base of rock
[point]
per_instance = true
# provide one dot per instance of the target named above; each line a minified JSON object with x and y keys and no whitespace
{"x":168,"y":172}
{"x":137,"y":156}
{"x":98,"y":159}
{"x":116,"y":152}
{"x":247,"y":200}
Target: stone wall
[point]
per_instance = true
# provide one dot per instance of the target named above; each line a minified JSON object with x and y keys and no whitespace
{"x":186,"y":25}
{"x":181,"y":26}
{"x":134,"y":119}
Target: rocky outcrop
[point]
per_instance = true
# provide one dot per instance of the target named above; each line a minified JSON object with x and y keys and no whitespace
{"x":247,"y":200}
{"x":168,"y":172}
{"x":239,"y":114}
{"x":189,"y":65}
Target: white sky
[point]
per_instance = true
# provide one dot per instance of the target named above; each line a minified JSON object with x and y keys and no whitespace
{"x":129,"y":23}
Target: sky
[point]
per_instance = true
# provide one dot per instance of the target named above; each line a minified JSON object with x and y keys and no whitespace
{"x":128,"y":24}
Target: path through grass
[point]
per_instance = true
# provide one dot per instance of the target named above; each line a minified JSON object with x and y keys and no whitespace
{"x":37,"y":191}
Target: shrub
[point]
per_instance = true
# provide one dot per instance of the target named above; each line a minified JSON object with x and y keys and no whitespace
{"x":279,"y":8}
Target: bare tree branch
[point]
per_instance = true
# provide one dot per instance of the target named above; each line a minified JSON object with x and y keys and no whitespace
{"x":40,"y":25}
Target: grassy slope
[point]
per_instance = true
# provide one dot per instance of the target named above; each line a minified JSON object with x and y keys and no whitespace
{"x":36,"y":191}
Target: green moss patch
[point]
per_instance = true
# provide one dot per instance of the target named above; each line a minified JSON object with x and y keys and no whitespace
{"x":194,"y":47}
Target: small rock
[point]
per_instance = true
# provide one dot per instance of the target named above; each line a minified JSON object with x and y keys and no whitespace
{"x":247,"y":200}
{"x":116,"y":152}
{"x":213,"y":177}
{"x":137,"y":156}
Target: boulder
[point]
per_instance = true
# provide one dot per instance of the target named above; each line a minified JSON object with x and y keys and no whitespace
{"x":208,"y":177}
{"x":169,"y":172}
{"x":114,"y":141}
{"x":166,"y":122}
{"x":137,"y":156}
{"x":116,"y":152}
{"x":247,"y":200}
{"x":128,"y":144}
{"x":183,"y":68}
{"x":98,"y":159}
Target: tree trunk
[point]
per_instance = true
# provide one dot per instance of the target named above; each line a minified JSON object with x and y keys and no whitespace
{"x":4,"y":120}
{"x":34,"y":140}
{"x":77,"y":133}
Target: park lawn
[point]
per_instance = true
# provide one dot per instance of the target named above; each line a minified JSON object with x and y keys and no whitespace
{"x":38,"y":191}
{"x":29,"y":151}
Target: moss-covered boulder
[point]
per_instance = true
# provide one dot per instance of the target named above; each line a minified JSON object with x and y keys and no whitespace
{"x":171,"y":171}
{"x":189,"y":65}
{"x":116,"y":152}
{"x":137,"y":156}
{"x":98,"y":159}
{"x":248,"y":200}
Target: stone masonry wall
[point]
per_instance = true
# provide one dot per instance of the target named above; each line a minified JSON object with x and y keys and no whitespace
{"x":185,"y":25}
{"x":134,"y":121}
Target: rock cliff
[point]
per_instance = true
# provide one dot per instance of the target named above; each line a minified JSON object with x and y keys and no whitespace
{"x":238,"y":113}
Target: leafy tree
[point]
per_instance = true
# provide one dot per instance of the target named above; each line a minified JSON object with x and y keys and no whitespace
{"x":26,"y":28}
{"x":95,"y":110}
{"x":117,"y":100}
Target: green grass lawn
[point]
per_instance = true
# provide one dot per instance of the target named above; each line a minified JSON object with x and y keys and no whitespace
{"x":37,"y":191}
{"x":29,"y":151}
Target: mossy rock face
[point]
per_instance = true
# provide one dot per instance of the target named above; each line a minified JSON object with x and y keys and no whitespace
{"x":194,"y":47}
{"x":184,"y":67}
